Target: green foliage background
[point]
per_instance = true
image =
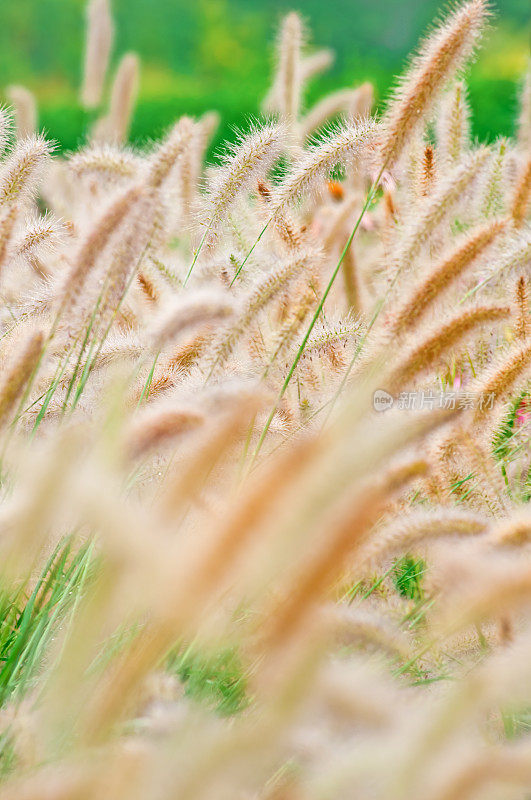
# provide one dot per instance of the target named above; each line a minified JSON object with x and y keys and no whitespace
{"x":219,"y":54}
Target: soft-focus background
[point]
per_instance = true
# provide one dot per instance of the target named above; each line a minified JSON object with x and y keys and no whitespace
{"x":203,"y":54}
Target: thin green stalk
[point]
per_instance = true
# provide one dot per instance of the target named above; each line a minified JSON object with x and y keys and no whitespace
{"x":279,"y":348}
{"x":81,"y":351}
{"x":196,"y":255}
{"x":377,"y":311}
{"x":251,"y":250}
{"x":29,"y":384}
{"x":424,"y":649}
{"x":6,"y":304}
{"x":377,"y":583}
{"x":84,"y":377}
{"x":421,"y":610}
{"x":86,"y":562}
{"x":474,"y":289}
{"x":31,"y":655}
{"x":50,"y":394}
{"x":300,"y":351}
{"x":89,"y":362}
{"x":147,"y":384}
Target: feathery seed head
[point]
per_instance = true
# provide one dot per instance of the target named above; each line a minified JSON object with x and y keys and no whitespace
{"x":522,"y":195}
{"x":114,"y":127}
{"x":200,"y":308}
{"x":406,"y":532}
{"x":428,"y":171}
{"x":123,"y":96}
{"x":41,"y":235}
{"x":97,"y":51}
{"x":501,"y":377}
{"x":104,"y":159}
{"x":493,"y":182}
{"x":427,"y":354}
{"x":8,"y":218}
{"x":522,"y":309}
{"x":514,"y":532}
{"x":289,"y":73}
{"x":453,"y":127}
{"x":263,"y":292}
{"x":20,"y":174}
{"x":444,"y":52}
{"x":170,"y":151}
{"x":246,"y":161}
{"x":445,"y":272}
{"x":524,"y":120}
{"x":6,"y":126}
{"x":25,"y":108}
{"x":19,"y":372}
{"x":449,"y":190}
{"x":353,"y":103}
{"x":315,"y":63}
{"x":285,"y":95}
{"x":158,"y":426}
{"x":94,"y":244}
{"x":515,"y":258}
{"x":345,"y":144}
{"x":130,"y":249}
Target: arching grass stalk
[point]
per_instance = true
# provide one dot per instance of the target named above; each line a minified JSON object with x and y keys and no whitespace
{"x":368,"y":200}
{"x":251,"y":250}
{"x":198,"y":251}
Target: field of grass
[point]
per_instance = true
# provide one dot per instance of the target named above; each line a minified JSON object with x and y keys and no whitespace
{"x":265,"y":412}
